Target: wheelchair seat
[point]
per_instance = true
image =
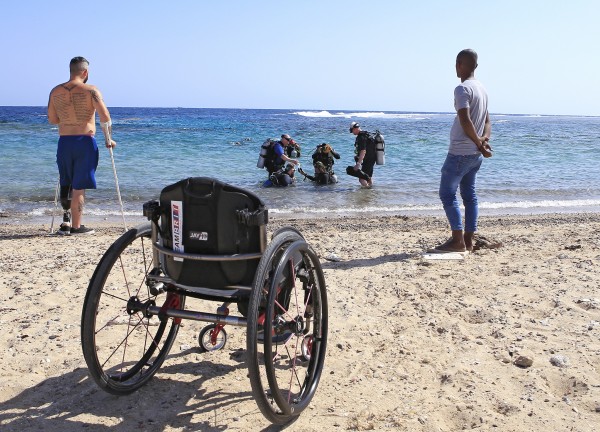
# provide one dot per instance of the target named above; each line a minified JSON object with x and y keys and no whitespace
{"x":216,"y":233}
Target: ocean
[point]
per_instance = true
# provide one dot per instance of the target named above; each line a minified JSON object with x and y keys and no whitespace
{"x":540,"y":164}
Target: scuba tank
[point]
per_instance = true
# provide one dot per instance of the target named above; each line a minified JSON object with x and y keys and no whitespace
{"x":380,"y":147}
{"x":294,"y":153}
{"x":264,"y":150}
{"x":293,"y":150}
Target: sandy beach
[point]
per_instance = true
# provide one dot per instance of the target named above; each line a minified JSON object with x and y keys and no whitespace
{"x":507,"y":339}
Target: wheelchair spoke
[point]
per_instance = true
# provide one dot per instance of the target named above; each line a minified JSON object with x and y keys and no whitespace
{"x":295,"y":317}
{"x":123,"y":342}
{"x":122,"y":346}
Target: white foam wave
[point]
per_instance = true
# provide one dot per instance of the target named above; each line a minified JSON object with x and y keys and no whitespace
{"x":327,"y":114}
{"x":590,"y":204}
{"x":386,"y":209}
{"x":435,"y":207}
{"x":98,"y":212}
{"x":48,"y":211}
{"x":40,"y":211}
{"x":541,"y":204}
{"x":320,"y":114}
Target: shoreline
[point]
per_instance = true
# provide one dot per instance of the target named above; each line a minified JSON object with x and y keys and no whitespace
{"x":40,"y":225}
{"x":506,"y":339}
{"x":131,"y":219}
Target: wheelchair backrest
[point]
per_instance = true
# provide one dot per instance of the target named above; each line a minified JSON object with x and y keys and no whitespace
{"x":204,"y":216}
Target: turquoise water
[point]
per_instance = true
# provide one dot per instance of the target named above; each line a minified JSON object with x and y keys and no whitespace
{"x":541,"y":163}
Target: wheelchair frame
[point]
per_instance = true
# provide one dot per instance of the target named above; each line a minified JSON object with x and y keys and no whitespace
{"x":133,"y":309}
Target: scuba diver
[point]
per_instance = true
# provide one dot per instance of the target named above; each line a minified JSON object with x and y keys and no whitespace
{"x":283,"y":177}
{"x":323,"y":160}
{"x":274,"y":154}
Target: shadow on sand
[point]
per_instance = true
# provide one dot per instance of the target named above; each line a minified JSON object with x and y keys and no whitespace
{"x":73,"y":402}
{"x":367,"y":262}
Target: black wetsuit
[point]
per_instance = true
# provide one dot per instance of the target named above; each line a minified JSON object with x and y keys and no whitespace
{"x":326,"y":159}
{"x":364,"y":142}
{"x":281,"y":178}
{"x":321,"y":178}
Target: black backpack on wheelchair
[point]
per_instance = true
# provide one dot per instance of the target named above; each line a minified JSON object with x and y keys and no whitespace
{"x":202,"y":216}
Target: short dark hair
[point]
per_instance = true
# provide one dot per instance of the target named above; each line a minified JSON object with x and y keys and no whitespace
{"x":468,"y":57}
{"x":78,"y":64}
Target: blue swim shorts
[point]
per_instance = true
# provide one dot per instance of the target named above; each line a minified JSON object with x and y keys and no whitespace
{"x":77,"y":160}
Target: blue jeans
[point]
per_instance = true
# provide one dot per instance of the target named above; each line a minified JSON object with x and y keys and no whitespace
{"x":460,"y":170}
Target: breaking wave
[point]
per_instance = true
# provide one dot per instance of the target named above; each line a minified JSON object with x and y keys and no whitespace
{"x":368,"y":114}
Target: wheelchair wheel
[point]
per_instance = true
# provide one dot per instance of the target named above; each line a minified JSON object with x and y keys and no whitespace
{"x":209,"y":341}
{"x":123,"y":344}
{"x":286,"y":229}
{"x":287,"y":328}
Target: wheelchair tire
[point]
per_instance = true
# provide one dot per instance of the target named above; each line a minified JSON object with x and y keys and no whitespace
{"x":285,"y":229}
{"x":288,"y":303}
{"x":204,"y":339}
{"x":122,"y":345}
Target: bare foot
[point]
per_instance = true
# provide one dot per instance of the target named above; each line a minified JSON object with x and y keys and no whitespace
{"x":449,"y":246}
{"x":469,"y":241}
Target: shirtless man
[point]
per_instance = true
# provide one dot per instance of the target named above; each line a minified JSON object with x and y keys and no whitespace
{"x":72,"y":106}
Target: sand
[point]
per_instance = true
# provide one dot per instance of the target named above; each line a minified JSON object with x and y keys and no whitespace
{"x":507,"y":339}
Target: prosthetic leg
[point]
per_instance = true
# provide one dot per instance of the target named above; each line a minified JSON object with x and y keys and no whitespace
{"x":65,"y":202}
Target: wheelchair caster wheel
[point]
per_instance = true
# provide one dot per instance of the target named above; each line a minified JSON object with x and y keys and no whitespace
{"x":212,"y":338}
{"x":306,"y":348}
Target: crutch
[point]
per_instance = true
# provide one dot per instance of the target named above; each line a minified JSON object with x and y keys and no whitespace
{"x":106,"y":128}
{"x":55,"y":204}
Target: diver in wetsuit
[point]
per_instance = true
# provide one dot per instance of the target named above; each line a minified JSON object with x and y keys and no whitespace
{"x":323,"y":160}
{"x":283,"y":177}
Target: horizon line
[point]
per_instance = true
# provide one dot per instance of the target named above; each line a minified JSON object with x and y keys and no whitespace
{"x":321,"y":109}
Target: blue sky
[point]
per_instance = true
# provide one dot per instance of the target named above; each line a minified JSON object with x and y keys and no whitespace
{"x":535,"y":57}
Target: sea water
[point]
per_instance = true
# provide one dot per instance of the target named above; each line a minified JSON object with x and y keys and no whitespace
{"x":540,"y":163}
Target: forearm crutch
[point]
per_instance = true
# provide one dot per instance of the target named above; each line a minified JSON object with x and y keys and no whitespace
{"x":106,"y":128}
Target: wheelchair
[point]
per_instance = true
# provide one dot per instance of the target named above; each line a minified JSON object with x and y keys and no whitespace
{"x":208,"y":240}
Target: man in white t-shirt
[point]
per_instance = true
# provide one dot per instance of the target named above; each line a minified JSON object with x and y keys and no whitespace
{"x":469,"y":144}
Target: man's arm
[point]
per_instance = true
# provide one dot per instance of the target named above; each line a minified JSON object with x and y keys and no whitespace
{"x":280,"y":151}
{"x":308,"y":176}
{"x":487,"y":128}
{"x":359,"y":161}
{"x":99,"y":105}
{"x":105,"y":121}
{"x":288,"y":159}
{"x":52,"y":115}
{"x":361,"y":146}
{"x":469,"y":128}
